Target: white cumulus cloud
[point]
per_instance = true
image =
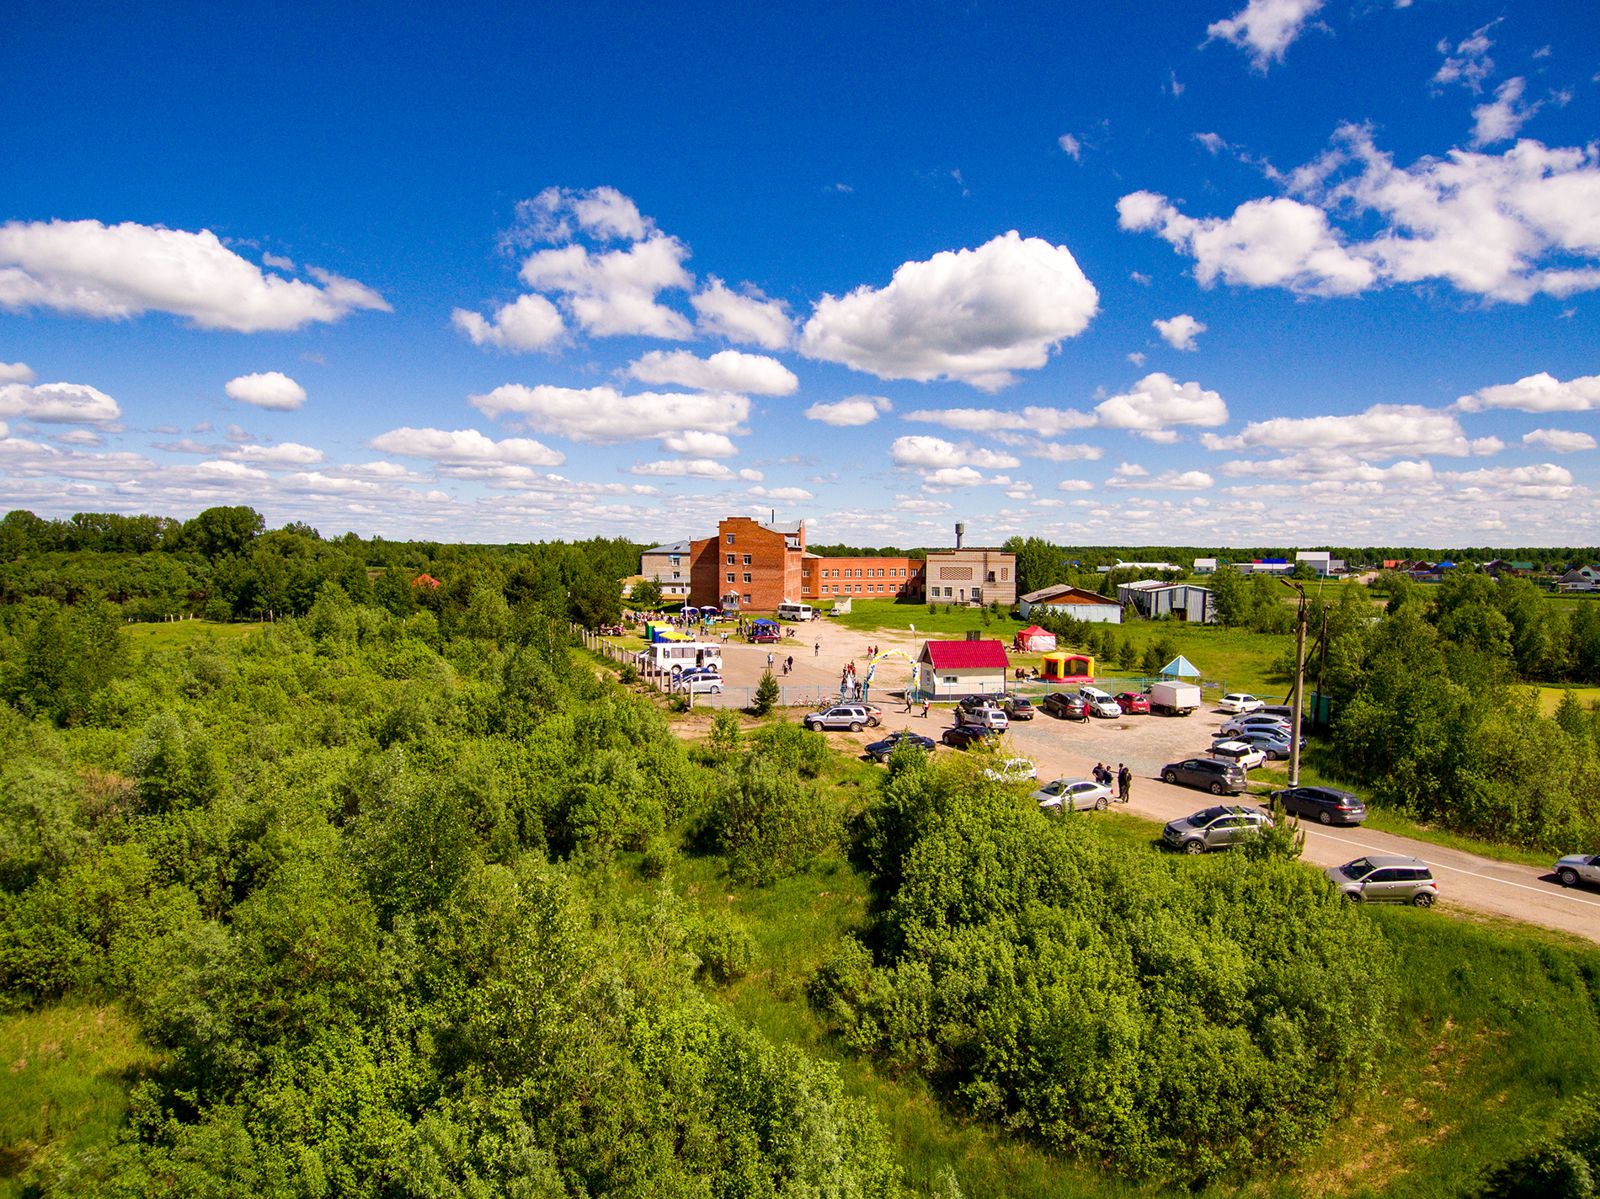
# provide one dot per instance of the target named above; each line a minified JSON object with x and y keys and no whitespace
{"x":1043,"y":422}
{"x":1559,"y":441}
{"x":784,"y":495}
{"x":923,"y":452}
{"x":683,"y":468}
{"x":1542,"y":392}
{"x":268,"y":389}
{"x":465,"y":447}
{"x":58,"y":403}
{"x":117,"y":272}
{"x":604,"y":415}
{"x":849,"y":413}
{"x":529,"y":322}
{"x":747,"y":317}
{"x":1381,"y":431}
{"x":1274,"y":242}
{"x":727,"y":370}
{"x":1503,"y":116}
{"x":1179,"y":331}
{"x":16,"y":372}
{"x":286,"y":453}
{"x":972,"y":315}
{"x":614,"y":293}
{"x":1265,"y":28}
{"x":695,"y":444}
{"x":1071,"y":146}
{"x":1157,"y":403}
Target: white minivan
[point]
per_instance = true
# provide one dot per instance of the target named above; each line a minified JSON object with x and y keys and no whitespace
{"x":788,"y":611}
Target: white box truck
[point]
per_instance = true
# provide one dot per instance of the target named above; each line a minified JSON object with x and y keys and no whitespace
{"x":1174,"y":699}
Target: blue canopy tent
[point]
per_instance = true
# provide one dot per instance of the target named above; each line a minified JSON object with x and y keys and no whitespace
{"x":1181,"y":667}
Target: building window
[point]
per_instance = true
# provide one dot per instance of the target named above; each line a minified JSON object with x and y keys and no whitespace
{"x":674,"y":560}
{"x":746,"y":598}
{"x":747,"y":578}
{"x":730,"y":538}
{"x":989,"y":578}
{"x":730,"y":559}
{"x":730,"y":578}
{"x":747,"y":559}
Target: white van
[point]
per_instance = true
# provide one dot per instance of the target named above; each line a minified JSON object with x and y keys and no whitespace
{"x":788,"y":611}
{"x":674,"y":656}
{"x":988,"y":718}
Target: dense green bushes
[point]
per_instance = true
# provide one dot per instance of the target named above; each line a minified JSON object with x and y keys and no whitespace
{"x":352,"y":875}
{"x":1174,"y":1023}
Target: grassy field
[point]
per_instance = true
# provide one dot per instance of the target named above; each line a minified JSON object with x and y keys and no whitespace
{"x":176,"y":634}
{"x":67,"y":1074}
{"x":1550,"y":697}
{"x":1495,"y":1026}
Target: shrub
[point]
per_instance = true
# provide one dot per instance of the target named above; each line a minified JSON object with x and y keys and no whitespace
{"x":629,"y":674}
{"x":723,"y":946}
{"x":771,"y":823}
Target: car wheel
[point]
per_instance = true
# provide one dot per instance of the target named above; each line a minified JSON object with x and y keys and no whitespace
{"x":1101,"y":804}
{"x":1351,"y":896}
{"x":855,"y":726}
{"x":1568,"y":877}
{"x":1325,"y":817}
{"x":1422,"y":899}
{"x":1194,"y":847}
{"x":1217,"y":788}
{"x":1170,"y":777}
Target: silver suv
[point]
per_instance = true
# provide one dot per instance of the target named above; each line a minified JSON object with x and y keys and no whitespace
{"x":854,"y":717}
{"x":1215,"y":828}
{"x":1385,"y":878}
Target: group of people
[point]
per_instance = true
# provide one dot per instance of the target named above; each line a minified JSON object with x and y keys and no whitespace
{"x":1123,"y":778}
{"x":851,"y":687}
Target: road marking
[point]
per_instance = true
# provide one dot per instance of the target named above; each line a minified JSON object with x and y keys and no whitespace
{"x":1563,"y":892}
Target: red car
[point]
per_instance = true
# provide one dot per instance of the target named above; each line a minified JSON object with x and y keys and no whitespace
{"x":1133,"y":703}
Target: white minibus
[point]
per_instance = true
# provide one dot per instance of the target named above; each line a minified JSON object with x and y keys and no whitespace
{"x":788,"y":611}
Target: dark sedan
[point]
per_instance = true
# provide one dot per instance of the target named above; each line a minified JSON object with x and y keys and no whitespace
{"x":1018,"y":707}
{"x":965,"y":736}
{"x":880,"y":750}
{"x":1209,"y":774}
{"x":1065,"y":707}
{"x":1326,"y":805}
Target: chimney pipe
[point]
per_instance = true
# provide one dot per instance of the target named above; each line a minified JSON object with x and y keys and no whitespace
{"x":960,"y":530}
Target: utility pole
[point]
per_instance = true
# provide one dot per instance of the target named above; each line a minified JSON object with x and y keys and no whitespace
{"x":1299,"y":682}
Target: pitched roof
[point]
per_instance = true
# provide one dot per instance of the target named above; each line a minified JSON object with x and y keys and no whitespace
{"x":967,"y":655}
{"x":1066,"y":593}
{"x":677,"y":547}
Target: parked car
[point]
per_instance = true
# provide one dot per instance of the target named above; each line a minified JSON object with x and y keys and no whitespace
{"x":1385,"y":878}
{"x":699,"y":672}
{"x":1326,"y":805}
{"x":764,"y":636}
{"x":1133,"y":703}
{"x":1271,"y":742}
{"x":989,"y":718}
{"x":977,"y":703}
{"x":1215,"y":828}
{"x":964,"y":736}
{"x":1209,"y":774}
{"x":1239,"y":703}
{"x":700,"y":684}
{"x":1243,"y":724}
{"x":1579,"y":868}
{"x":1100,"y":702}
{"x":880,"y":750}
{"x":1012,"y":770}
{"x":1242,"y":752}
{"x":1065,"y":706}
{"x":854,"y":717}
{"x":1017,"y":707}
{"x":1073,"y":795}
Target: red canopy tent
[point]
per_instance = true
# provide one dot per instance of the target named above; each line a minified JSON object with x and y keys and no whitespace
{"x":1033,"y":639}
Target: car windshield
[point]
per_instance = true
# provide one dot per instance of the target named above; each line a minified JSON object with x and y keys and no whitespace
{"x":1359,"y":868}
{"x":1206,"y":817}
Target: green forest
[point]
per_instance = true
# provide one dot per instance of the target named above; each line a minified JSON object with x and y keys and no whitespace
{"x":399,"y":893}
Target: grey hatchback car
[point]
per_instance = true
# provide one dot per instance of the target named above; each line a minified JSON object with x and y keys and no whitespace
{"x":1209,"y":774}
{"x":1215,"y":828}
{"x":1385,"y":878}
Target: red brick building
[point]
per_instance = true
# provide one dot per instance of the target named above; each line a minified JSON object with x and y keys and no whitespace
{"x":860,"y":578}
{"x":748,"y":566}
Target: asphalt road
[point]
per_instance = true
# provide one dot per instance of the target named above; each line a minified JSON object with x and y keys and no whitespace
{"x":1064,"y":749}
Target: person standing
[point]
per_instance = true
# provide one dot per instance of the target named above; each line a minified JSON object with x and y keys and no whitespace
{"x":816,"y":651}
{"x":1124,"y":782}
{"x":769,"y":659}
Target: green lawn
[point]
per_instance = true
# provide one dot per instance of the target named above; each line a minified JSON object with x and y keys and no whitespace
{"x":175,"y":634}
{"x":1550,"y":697}
{"x":67,"y":1072}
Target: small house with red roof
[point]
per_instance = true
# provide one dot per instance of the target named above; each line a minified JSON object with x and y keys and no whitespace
{"x":950,"y":669}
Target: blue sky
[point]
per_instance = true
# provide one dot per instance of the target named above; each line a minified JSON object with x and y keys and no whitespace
{"x":1279,"y":271}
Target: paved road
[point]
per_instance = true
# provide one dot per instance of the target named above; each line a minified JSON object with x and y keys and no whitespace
{"x":1067,"y":749}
